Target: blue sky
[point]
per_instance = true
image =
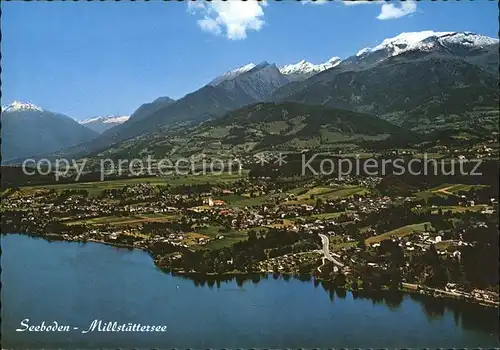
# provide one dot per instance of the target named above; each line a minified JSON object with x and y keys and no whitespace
{"x":87,"y":59}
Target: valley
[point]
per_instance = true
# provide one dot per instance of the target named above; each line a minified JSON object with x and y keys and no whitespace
{"x":433,"y":234}
{"x":426,"y":97}
{"x":250,"y":174}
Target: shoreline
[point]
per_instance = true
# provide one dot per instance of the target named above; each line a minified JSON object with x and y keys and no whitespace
{"x":420,"y":290}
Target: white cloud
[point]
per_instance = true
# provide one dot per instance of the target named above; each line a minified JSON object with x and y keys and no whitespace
{"x":346,"y":2}
{"x":317,"y":2}
{"x":210,"y":25}
{"x":231,"y":18}
{"x":390,"y":11}
{"x":360,"y":2}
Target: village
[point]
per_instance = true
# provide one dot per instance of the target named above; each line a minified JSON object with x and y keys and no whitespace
{"x":217,"y":217}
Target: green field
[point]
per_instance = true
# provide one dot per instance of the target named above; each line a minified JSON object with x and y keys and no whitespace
{"x":324,"y":216}
{"x":399,"y":232}
{"x":236,"y":201}
{"x":459,"y":209}
{"x":122,"y":220}
{"x":445,"y":190}
{"x":328,"y":193}
{"x":230,"y":238}
{"x":96,"y":188}
{"x":337,"y":243}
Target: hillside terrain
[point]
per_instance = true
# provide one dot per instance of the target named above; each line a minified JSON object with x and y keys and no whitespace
{"x":431,"y":93}
{"x":291,"y":127}
{"x":28,"y":130}
{"x":425,"y":80}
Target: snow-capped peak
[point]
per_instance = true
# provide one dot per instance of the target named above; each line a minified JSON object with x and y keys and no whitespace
{"x":334,"y":60}
{"x":304,"y":69}
{"x":468,"y":39}
{"x":112,"y":119}
{"x":363,"y":51}
{"x":117,"y":119}
{"x":232,"y":74}
{"x":427,"y":40}
{"x":21,"y":106}
{"x":407,"y":41}
{"x":302,"y":66}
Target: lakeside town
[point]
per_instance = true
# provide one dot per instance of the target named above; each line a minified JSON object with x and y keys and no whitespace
{"x":250,"y":174}
{"x":440,"y":241}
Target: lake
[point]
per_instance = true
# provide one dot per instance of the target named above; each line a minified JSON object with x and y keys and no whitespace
{"x":75,"y":283}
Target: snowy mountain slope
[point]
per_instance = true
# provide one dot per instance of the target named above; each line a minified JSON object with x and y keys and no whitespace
{"x":304,"y":69}
{"x":29,"y":130}
{"x":112,"y":119}
{"x":232,"y":74}
{"x":18,"y":106}
{"x":409,"y":47}
{"x":101,"y":124}
{"x":236,"y":88}
{"x":429,"y":40}
{"x":293,"y":72}
{"x":139,"y":114}
{"x":412,"y":73}
{"x":258,"y":82}
{"x":414,"y":79}
{"x":421,"y":44}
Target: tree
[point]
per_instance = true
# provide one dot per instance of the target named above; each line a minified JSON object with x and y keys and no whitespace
{"x":319,"y":203}
{"x":361,"y":243}
{"x":252,"y":236}
{"x":340,"y":279}
{"x":396,"y":279}
{"x":438,"y":275}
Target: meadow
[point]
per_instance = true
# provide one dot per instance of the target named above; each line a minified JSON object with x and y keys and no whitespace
{"x":400,"y":232}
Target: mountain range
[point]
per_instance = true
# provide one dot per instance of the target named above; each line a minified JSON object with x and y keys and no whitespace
{"x":264,"y":126}
{"x":409,"y":76}
{"x":28,"y":130}
{"x":101,"y":124}
{"x":303,"y":70}
{"x":419,"y":81}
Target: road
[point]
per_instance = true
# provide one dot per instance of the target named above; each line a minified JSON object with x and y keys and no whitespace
{"x":326,"y":252}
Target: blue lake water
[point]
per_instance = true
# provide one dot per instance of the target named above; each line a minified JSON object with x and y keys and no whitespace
{"x":76,"y":283}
